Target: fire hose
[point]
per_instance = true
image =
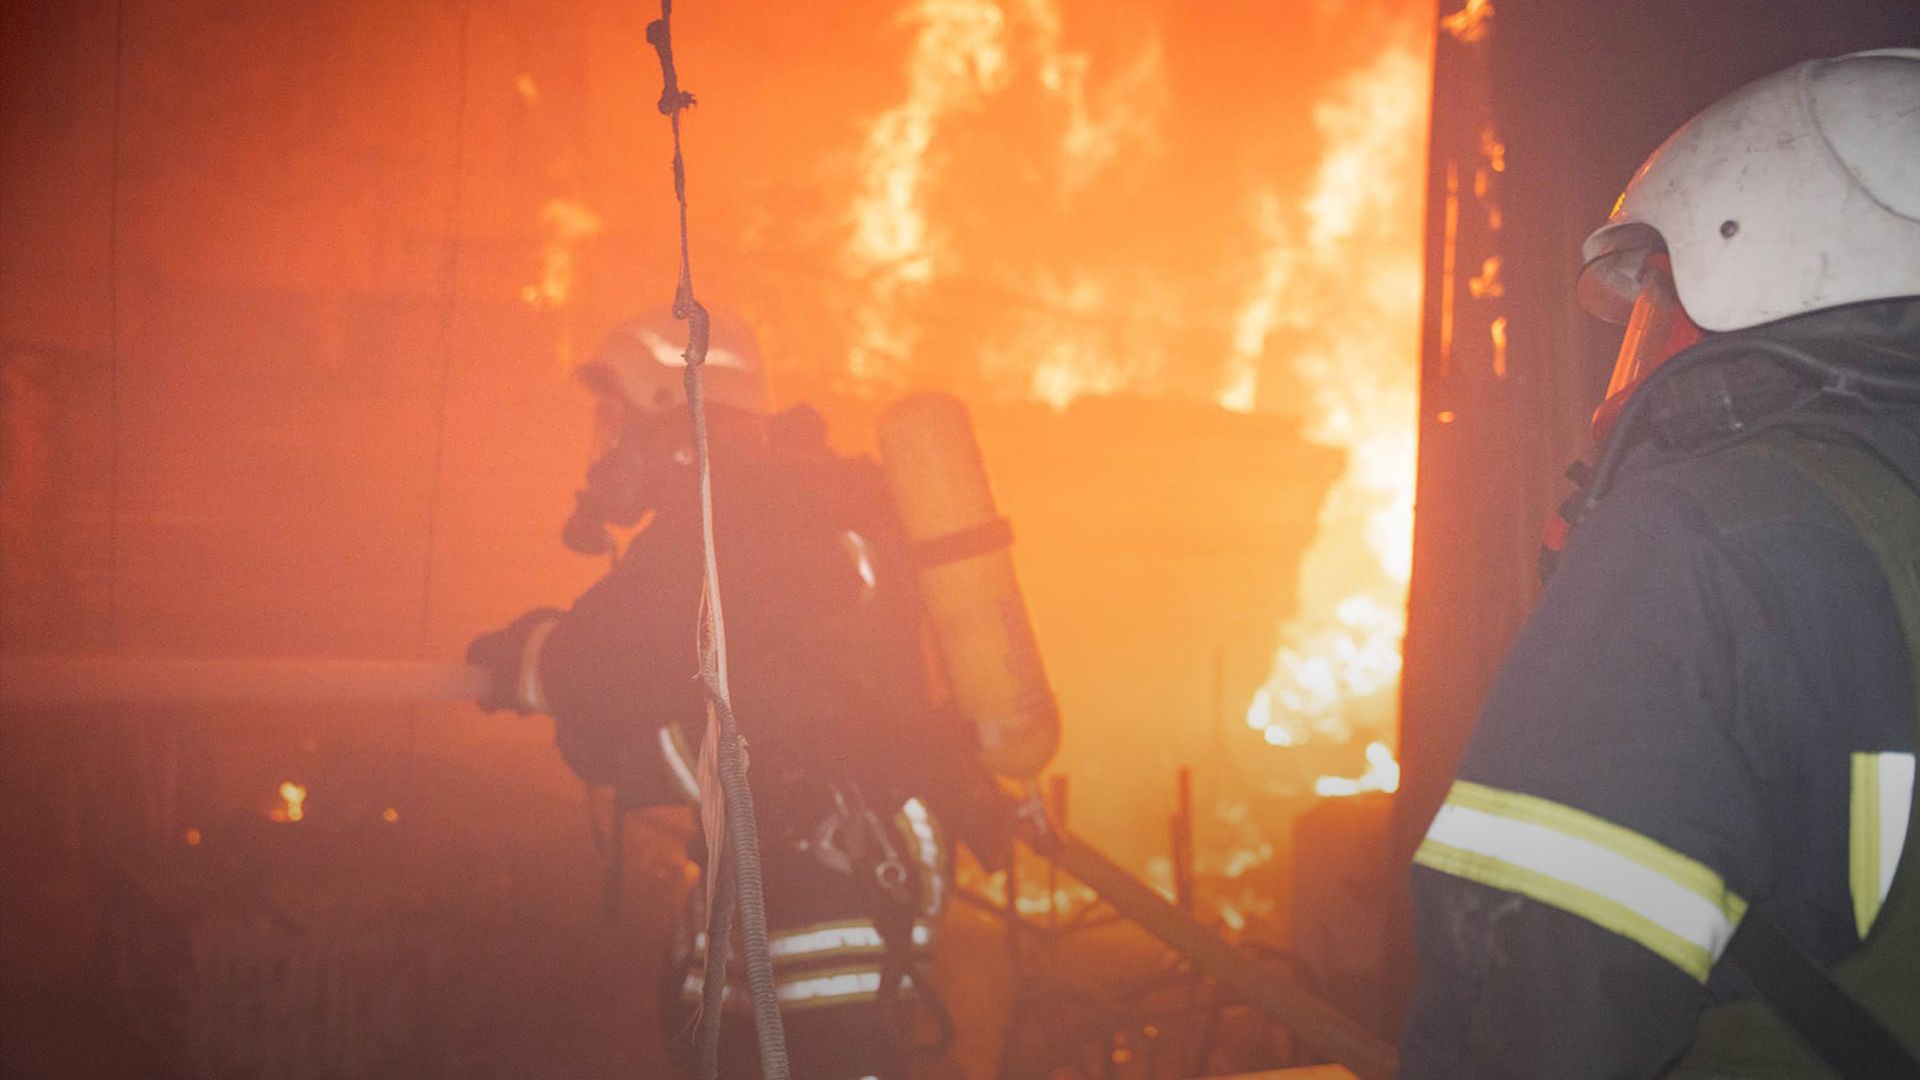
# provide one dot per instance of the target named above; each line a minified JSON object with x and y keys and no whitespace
{"x":143,"y":680}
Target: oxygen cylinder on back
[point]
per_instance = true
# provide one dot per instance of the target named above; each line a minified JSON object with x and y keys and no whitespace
{"x":960,"y":545}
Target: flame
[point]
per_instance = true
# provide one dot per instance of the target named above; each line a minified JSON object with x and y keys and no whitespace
{"x":293,"y":798}
{"x":566,"y":219}
{"x":1469,"y":24}
{"x":568,"y":222}
{"x":958,"y":56}
{"x":965,"y":54}
{"x":1067,"y":898}
{"x":192,"y":837}
{"x":1103,"y":123}
{"x":1383,"y":774}
{"x":1350,"y":287}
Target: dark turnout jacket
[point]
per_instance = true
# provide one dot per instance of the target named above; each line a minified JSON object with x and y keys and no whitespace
{"x":1711,"y":712}
{"x":819,"y":622}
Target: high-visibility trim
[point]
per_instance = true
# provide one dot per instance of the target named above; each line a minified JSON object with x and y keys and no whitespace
{"x":841,"y":986}
{"x":849,"y":937}
{"x":1613,"y":877}
{"x":858,"y":548}
{"x":923,"y":830}
{"x":1882,"y":803}
{"x":673,"y":747}
{"x":532,"y":690}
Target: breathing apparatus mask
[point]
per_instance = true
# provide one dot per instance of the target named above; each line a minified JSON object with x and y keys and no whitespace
{"x":641,"y":433}
{"x":623,"y":482}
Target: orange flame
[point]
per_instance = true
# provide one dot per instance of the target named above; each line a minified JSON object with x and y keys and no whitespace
{"x":1469,"y":24}
{"x":965,"y":53}
{"x":958,"y":56}
{"x":568,"y":223}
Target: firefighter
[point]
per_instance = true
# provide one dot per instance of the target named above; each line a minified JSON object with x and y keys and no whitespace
{"x":826,"y":683}
{"x":1676,"y":844}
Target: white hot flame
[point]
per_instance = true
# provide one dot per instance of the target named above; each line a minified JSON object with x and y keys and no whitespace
{"x":1349,"y":290}
{"x":1383,"y":774}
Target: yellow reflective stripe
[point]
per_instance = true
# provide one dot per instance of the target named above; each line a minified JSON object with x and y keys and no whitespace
{"x":1613,"y":877}
{"x":1863,"y":862}
{"x":1607,"y":914}
{"x":1881,"y":802}
{"x":1663,"y":860}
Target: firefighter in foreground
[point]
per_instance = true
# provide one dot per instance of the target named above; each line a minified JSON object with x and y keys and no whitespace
{"x":1676,"y":845}
{"x":822,"y":618}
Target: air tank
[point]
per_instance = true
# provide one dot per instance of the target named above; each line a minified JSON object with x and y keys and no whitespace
{"x":961,"y":545}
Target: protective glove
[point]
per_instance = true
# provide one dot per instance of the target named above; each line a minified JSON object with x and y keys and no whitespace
{"x":511,"y":657}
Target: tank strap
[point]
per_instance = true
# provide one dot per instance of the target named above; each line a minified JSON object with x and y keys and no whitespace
{"x":1849,"y":1017}
{"x":979,"y":540}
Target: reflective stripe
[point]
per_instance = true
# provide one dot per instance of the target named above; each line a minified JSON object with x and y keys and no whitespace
{"x":673,"y":748}
{"x":847,"y":938}
{"x":1882,"y":803}
{"x":842,"y":987}
{"x":1581,"y":864}
{"x":925,"y":832}
{"x":532,"y":692}
{"x":862,"y":563}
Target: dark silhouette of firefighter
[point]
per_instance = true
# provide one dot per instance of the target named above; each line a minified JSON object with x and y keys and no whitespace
{"x":1680,"y":840}
{"x":853,"y":768}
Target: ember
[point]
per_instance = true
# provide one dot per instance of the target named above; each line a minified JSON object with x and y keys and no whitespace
{"x":293,"y":798}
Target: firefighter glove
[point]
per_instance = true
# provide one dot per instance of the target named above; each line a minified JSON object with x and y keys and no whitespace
{"x":511,"y":658}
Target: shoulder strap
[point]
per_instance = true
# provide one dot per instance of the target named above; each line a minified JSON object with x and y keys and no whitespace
{"x":1885,"y":512}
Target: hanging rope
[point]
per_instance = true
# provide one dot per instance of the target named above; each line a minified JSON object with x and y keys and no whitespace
{"x":449,"y":310}
{"x":113,"y":332}
{"x":735,"y":877}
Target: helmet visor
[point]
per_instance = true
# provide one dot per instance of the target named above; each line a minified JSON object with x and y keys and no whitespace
{"x":1657,"y":328}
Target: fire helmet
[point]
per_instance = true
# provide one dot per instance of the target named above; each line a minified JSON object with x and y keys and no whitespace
{"x":641,"y":365}
{"x":1797,"y":193}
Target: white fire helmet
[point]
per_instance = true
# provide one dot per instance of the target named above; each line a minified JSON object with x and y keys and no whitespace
{"x":1796,"y":193}
{"x":641,"y":365}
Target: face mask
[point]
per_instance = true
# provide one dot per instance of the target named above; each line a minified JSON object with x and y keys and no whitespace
{"x":1657,"y":329}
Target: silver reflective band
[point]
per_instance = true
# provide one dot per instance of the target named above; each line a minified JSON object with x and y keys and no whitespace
{"x":682,"y":771}
{"x":830,"y":938}
{"x":1610,"y":876}
{"x":921,"y":823}
{"x":831,"y":988}
{"x":532,"y":692}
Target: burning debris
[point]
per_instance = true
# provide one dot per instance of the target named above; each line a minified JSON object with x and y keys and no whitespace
{"x":293,"y":801}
